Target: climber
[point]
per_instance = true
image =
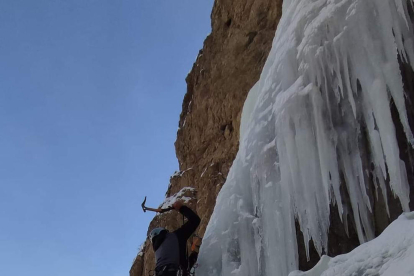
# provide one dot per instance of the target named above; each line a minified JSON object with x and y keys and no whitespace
{"x":171,"y":247}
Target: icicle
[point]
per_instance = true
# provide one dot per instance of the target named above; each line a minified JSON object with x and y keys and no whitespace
{"x":324,"y":95}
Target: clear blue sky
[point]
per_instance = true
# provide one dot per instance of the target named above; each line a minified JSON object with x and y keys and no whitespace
{"x":90,"y":97}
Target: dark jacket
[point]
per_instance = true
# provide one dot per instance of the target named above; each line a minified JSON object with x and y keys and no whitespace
{"x":182,"y":233}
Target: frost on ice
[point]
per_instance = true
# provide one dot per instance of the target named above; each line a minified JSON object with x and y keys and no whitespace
{"x":319,"y":116}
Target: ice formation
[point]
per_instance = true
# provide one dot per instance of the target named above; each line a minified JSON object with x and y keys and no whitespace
{"x":391,"y":254}
{"x":329,"y":80}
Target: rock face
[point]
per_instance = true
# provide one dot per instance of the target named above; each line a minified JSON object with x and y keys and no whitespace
{"x":207,"y":140}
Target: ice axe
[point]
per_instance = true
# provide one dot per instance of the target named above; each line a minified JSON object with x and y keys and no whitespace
{"x":158,"y":210}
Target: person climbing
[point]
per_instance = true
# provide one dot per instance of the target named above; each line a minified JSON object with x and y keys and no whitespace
{"x":171,"y":247}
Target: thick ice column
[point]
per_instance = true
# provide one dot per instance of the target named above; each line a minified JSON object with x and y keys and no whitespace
{"x":332,"y":72}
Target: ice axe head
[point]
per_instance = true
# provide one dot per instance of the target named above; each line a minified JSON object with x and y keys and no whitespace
{"x":158,"y":210}
{"x":143,"y":205}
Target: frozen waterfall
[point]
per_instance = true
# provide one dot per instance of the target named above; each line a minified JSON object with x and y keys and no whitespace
{"x":333,"y":70}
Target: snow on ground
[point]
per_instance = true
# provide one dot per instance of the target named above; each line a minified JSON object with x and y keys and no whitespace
{"x":390,"y":254}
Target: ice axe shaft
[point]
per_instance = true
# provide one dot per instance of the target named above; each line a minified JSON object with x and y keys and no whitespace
{"x":157,"y":210}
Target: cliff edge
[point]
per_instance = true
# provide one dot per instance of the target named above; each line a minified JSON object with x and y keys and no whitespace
{"x":226,"y":68}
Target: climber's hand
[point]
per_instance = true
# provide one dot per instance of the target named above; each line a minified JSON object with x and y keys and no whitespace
{"x":177,"y":205}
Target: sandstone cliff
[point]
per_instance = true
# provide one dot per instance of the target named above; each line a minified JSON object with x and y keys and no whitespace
{"x":207,"y":140}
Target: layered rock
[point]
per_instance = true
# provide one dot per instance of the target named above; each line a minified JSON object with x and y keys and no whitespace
{"x":207,"y":140}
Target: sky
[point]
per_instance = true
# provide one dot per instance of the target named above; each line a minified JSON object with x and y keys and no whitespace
{"x":90,"y":97}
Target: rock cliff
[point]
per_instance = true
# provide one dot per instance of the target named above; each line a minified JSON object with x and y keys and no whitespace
{"x":207,"y":140}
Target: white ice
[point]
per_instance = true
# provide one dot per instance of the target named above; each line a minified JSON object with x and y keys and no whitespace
{"x":390,"y":254}
{"x":321,"y":105}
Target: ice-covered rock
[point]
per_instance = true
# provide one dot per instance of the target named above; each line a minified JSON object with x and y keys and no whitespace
{"x":332,"y":73}
{"x":390,"y":254}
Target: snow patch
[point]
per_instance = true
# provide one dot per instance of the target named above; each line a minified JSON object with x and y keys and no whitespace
{"x":317,"y":270}
{"x":141,"y":250}
{"x":180,"y":173}
{"x":169,"y":201}
{"x":390,"y":254}
{"x":205,"y":169}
